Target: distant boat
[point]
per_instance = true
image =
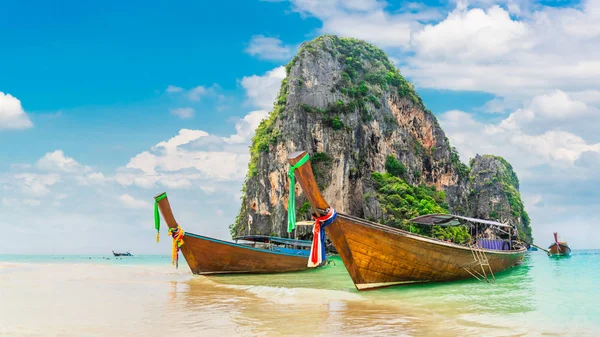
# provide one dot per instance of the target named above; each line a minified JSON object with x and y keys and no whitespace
{"x":377,"y":255}
{"x":256,"y":253}
{"x":559,"y":248}
{"x":121,"y":254}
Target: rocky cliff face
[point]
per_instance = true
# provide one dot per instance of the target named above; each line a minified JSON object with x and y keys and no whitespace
{"x":347,"y":105}
{"x":494,"y":193}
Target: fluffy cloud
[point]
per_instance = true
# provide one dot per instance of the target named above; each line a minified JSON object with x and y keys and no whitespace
{"x":173,"y":89}
{"x":195,"y":158}
{"x":262,"y":90}
{"x":367,"y":20}
{"x":183,"y":113}
{"x":36,"y":184}
{"x":131,"y":202}
{"x":482,"y":47}
{"x":488,"y":50}
{"x":245,"y":127}
{"x":269,"y":48}
{"x":57,"y":161}
{"x":557,"y":168}
{"x":195,"y":93}
{"x":12,"y":115}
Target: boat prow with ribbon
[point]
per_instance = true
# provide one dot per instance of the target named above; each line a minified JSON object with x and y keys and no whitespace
{"x":377,"y":255}
{"x":256,"y":254}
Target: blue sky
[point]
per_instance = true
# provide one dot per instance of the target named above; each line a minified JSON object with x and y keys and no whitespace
{"x":105,"y":104}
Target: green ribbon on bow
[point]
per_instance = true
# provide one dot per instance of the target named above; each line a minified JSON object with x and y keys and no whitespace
{"x":157,"y":215}
{"x":292,"y":198}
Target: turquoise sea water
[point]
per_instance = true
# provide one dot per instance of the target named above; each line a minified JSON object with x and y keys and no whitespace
{"x":542,"y":297}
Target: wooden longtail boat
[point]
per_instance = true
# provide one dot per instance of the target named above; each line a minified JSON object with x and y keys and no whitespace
{"x":559,"y":248}
{"x":205,"y":255}
{"x":121,"y":254}
{"x":377,"y":255}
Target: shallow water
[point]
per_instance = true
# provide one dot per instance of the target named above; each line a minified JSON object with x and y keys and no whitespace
{"x":146,"y":296}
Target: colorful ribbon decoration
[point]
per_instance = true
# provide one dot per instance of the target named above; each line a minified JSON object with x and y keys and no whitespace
{"x":317,"y":250}
{"x":292,"y":198}
{"x":157,"y":215}
{"x":177,"y":234}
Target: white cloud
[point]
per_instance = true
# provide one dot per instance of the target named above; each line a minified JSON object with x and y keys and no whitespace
{"x":12,"y":115}
{"x":472,"y":36}
{"x":57,"y":161}
{"x":183,"y":113}
{"x":246,"y":126}
{"x":185,"y":136}
{"x":487,"y":50}
{"x":173,"y":89}
{"x":36,"y":184}
{"x":195,"y":158}
{"x":533,"y":135}
{"x":269,"y":48}
{"x":558,"y":105}
{"x":366,"y":20}
{"x":144,"y":161}
{"x":477,"y":46}
{"x":130,"y":202}
{"x":262,"y":90}
{"x":195,"y":93}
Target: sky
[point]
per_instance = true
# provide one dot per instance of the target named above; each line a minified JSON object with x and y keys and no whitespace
{"x":103,"y":105}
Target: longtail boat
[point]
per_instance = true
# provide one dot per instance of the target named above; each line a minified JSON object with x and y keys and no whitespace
{"x":205,"y":255}
{"x":377,"y":255}
{"x":559,"y":248}
{"x":121,"y":254}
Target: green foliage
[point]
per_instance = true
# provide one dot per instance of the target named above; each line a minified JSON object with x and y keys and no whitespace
{"x":417,"y":175}
{"x":394,"y":167}
{"x":461,"y":168}
{"x":375,"y":101}
{"x":456,"y":234}
{"x":363,"y":90}
{"x":401,"y":202}
{"x":321,"y":165}
{"x":336,"y":123}
{"x":304,"y":209}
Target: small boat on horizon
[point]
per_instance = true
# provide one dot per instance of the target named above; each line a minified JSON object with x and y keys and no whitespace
{"x":121,"y":254}
{"x":255,"y":254}
{"x":377,"y":255}
{"x":559,"y":248}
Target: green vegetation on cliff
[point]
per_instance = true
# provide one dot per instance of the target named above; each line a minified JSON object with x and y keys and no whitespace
{"x":401,"y":202}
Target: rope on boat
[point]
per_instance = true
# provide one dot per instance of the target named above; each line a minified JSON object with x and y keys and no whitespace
{"x":177,"y":234}
{"x":317,"y":250}
{"x":292,"y":198}
{"x":157,"y":216}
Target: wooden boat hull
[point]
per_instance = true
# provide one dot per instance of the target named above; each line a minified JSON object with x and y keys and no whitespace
{"x":207,"y":256}
{"x":559,"y":249}
{"x":377,"y":256}
{"x":381,"y":256}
